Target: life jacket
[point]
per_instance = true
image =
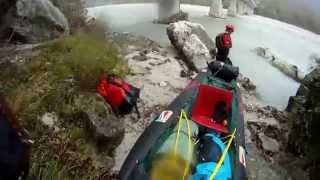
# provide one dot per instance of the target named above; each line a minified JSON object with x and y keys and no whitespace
{"x":223,"y":41}
{"x":121,"y":96}
{"x":15,"y":148}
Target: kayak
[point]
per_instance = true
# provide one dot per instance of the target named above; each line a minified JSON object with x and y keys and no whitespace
{"x":204,"y":125}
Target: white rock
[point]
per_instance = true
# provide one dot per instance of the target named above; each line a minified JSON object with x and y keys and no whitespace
{"x":49,"y":119}
{"x":163,"y":84}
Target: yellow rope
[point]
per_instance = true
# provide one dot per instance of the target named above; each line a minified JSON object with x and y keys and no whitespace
{"x":216,"y":170}
{"x":190,"y":145}
{"x":178,"y":134}
{"x":184,"y":116}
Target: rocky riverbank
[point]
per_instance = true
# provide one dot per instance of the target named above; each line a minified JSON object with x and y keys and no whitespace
{"x":51,"y":88}
{"x":162,"y":72}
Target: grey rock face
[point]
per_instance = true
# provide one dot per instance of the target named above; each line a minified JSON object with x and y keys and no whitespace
{"x":192,"y":41}
{"x":305,"y":115}
{"x":36,"y":20}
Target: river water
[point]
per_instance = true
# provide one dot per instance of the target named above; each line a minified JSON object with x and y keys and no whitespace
{"x":291,"y":43}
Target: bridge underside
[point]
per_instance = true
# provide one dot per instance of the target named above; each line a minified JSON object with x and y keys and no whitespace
{"x":168,"y":8}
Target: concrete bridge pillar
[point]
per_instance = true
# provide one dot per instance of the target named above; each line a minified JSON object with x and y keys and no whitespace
{"x":232,"y":10}
{"x":168,"y":8}
{"x":216,"y":9}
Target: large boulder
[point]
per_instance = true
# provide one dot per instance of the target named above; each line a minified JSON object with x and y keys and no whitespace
{"x":193,"y":42}
{"x":305,"y":115}
{"x":34,"y":21}
{"x":106,"y":129}
{"x":289,"y":69}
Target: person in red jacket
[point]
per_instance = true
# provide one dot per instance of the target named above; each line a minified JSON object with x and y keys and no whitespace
{"x":224,"y":43}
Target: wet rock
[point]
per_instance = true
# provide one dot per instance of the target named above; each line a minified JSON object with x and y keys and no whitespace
{"x":192,"y":41}
{"x":181,"y":16}
{"x":268,"y":144}
{"x":106,"y":129}
{"x":247,"y":84}
{"x":296,"y":104}
{"x":312,"y":80}
{"x":288,"y":69}
{"x":35,"y":21}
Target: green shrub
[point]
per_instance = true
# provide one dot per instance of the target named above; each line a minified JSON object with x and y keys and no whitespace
{"x":50,"y":82}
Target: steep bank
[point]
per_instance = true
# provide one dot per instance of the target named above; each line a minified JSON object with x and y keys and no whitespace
{"x":305,"y":114}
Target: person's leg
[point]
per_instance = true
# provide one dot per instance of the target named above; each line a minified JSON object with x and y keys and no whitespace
{"x":222,"y":55}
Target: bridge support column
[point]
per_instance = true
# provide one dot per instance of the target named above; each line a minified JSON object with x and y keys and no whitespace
{"x":216,"y":9}
{"x":232,"y":10}
{"x":168,"y":8}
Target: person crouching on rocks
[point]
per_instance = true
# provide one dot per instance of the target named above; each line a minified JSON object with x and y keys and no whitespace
{"x":224,"y":43}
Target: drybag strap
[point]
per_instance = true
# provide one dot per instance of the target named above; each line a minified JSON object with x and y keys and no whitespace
{"x":184,"y":116}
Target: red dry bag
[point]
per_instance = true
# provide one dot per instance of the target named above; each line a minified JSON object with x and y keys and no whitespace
{"x":119,"y":94}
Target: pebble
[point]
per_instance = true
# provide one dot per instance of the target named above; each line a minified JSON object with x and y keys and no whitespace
{"x":163,"y":84}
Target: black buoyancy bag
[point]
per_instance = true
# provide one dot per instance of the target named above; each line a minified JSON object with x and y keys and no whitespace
{"x":208,"y":150}
{"x":219,"y":41}
{"x":223,"y":71}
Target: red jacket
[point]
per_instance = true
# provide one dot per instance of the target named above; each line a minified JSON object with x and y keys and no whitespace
{"x":227,"y":42}
{"x":223,"y":41}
